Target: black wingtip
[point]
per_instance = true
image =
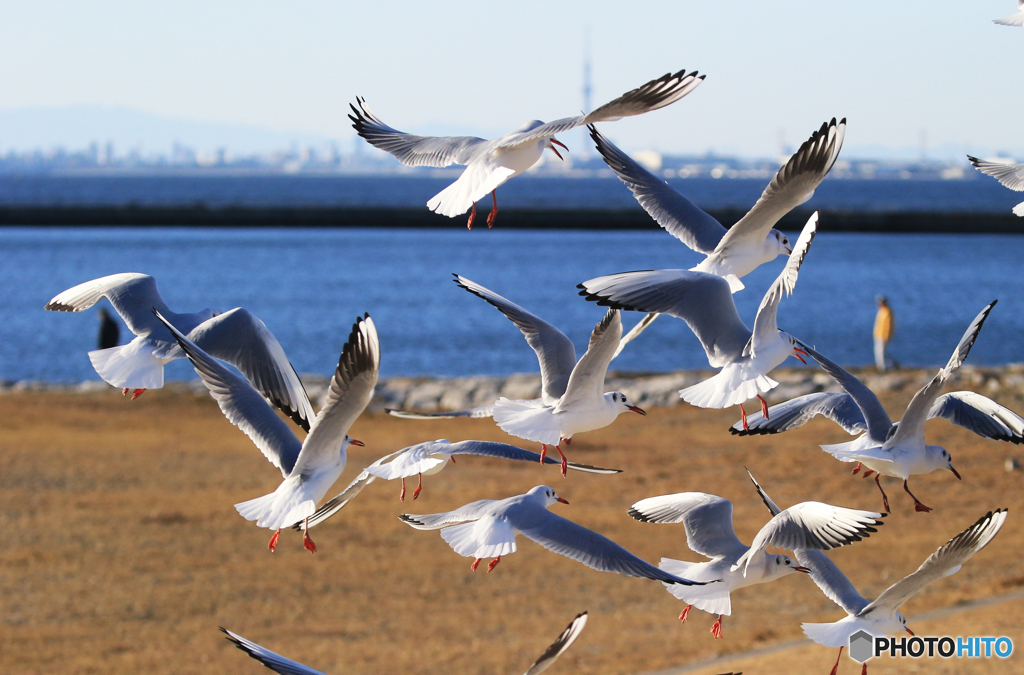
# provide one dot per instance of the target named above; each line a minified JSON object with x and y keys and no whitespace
{"x":638,"y":515}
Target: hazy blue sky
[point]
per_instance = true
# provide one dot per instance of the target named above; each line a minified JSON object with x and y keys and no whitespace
{"x":776,"y":70}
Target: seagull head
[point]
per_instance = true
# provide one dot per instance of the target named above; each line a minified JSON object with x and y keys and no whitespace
{"x":351,"y":441}
{"x":785,"y":565}
{"x":618,"y":399}
{"x":547,"y":495}
{"x":550,"y":145}
{"x":903,"y":622}
{"x":781,"y":242}
{"x":939,"y":458}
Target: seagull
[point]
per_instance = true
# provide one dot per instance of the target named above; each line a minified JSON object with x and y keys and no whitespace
{"x":898,"y":449}
{"x":572,"y":393}
{"x":1013,"y":20}
{"x":426,"y":458}
{"x":752,"y":241}
{"x":235,"y":336}
{"x":880,"y":618}
{"x":285,"y":666}
{"x":704,"y":301}
{"x":489,"y":163}
{"x":488,"y":528}
{"x":1010,"y":175}
{"x":709,"y":532}
{"x":429,"y":458}
{"x":311,"y":466}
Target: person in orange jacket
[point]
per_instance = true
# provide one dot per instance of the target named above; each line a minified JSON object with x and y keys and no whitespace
{"x":885,"y":325}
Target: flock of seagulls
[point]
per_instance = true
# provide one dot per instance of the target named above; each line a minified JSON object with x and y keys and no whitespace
{"x":573,"y":399}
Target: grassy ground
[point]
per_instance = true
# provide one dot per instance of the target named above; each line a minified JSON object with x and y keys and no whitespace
{"x":122,"y":551}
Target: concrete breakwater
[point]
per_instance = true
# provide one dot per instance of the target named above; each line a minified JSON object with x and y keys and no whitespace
{"x":647,"y":390}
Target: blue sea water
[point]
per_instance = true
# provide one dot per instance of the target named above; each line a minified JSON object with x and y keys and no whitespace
{"x":979,"y":194}
{"x":309,"y":285}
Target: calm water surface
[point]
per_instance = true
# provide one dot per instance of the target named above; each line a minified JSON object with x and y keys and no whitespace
{"x":309,"y":285}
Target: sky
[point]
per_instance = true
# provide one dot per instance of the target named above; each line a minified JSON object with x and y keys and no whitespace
{"x":907,"y":73}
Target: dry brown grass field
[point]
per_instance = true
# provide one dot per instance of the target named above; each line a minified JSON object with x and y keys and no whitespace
{"x":122,"y":552}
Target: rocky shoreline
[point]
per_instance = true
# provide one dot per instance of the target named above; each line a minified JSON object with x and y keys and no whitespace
{"x":424,"y":394}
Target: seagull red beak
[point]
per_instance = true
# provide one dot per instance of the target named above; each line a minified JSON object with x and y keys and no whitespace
{"x":564,"y":501}
{"x":353,"y":441}
{"x":911,"y":632}
{"x":555,"y":150}
{"x":797,"y":353}
{"x":636,"y":409}
{"x":805,"y":570}
{"x":955,"y":472}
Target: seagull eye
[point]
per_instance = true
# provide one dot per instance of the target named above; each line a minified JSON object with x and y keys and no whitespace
{"x":787,"y":561}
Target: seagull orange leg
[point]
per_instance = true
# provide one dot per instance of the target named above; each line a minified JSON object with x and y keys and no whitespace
{"x":565,"y":463}
{"x":918,"y":506}
{"x":856,"y":469}
{"x":474,"y":565}
{"x":683,"y":615}
{"x":568,"y":441}
{"x":419,"y":486}
{"x":124,"y":392}
{"x":272,"y":545}
{"x":137,"y":393}
{"x":868,"y":472}
{"x":743,"y":413}
{"x":836,"y":667}
{"x":472,"y":215}
{"x":491,"y":565}
{"x":494,"y":210}
{"x":716,"y":629}
{"x":401,"y":495}
{"x":885,"y":500}
{"x":764,"y":406}
{"x":307,"y":543}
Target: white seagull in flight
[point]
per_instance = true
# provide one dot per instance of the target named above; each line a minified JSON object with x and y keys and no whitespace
{"x":310,"y":466}
{"x":235,"y":336}
{"x":898,"y":449}
{"x":1013,"y":20}
{"x":489,"y":163}
{"x":1010,"y":175}
{"x":704,"y":301}
{"x":488,"y":529}
{"x":707,"y":520}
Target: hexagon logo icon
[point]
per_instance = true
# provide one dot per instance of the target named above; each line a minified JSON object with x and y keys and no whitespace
{"x":861,"y":646}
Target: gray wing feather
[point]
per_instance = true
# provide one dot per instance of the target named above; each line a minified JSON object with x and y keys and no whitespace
{"x":706,"y":518}
{"x":245,"y":342}
{"x":765,"y":323}
{"x":793,"y":414}
{"x":1010,"y":175}
{"x":348,"y":395}
{"x":813,"y":525}
{"x":772,"y":506}
{"x":412,"y":150}
{"x":554,"y":350}
{"x":482,"y":411}
{"x":945,"y":561}
{"x":435,"y":521}
{"x":565,"y":537}
{"x":912,"y":424}
{"x":275,"y":662}
{"x":832,"y":582}
{"x":243,"y":406}
{"x":559,"y":646}
{"x":505,"y":451}
{"x":586,"y":383}
{"x":134,"y":296}
{"x":792,"y":185}
{"x":981,"y":415}
{"x":703,"y":301}
{"x":674,"y":212}
{"x":871,"y":409}
{"x":658,"y":93}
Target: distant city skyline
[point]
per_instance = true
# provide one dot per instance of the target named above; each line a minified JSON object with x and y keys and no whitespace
{"x":912,"y":78}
